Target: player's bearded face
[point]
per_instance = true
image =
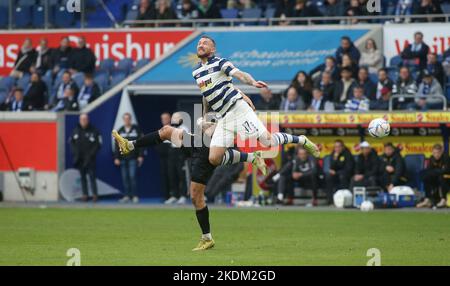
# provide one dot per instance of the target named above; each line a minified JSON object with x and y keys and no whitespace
{"x":205,"y":48}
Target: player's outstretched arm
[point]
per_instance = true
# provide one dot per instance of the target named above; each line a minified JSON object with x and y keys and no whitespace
{"x":248,"y":79}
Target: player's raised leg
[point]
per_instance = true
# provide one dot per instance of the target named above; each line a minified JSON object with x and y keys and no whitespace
{"x":280,"y":138}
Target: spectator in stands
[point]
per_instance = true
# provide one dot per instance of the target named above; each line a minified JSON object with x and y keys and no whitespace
{"x":146,"y":12}
{"x":60,"y":57}
{"x":164,"y":11}
{"x":59,"y":100}
{"x":384,"y":91}
{"x":347,"y":62}
{"x":330,"y":66}
{"x":36,"y":93}
{"x":341,"y":169}
{"x":284,"y":8}
{"x":303,"y":171}
{"x":222,"y":180}
{"x":240,"y":4}
{"x":429,"y":95}
{"x":208,"y":10}
{"x":292,"y":101}
{"x":303,"y":84}
{"x":392,"y":168}
{"x":435,"y":67}
{"x":358,"y":102}
{"x":319,"y":102}
{"x":347,"y":47}
{"x":25,"y":59}
{"x":334,"y":8}
{"x":343,"y":89}
{"x":187,"y":11}
{"x":326,"y":85}
{"x":415,"y":54}
{"x":446,"y":62}
{"x":43,"y":58}
{"x":370,"y":89}
{"x":366,"y":169}
{"x":371,"y":57}
{"x":85,"y":142}
{"x":436,"y":179}
{"x":428,"y":7}
{"x":354,"y":10}
{"x":163,"y":152}
{"x":177,"y":166}
{"x":305,"y":9}
{"x":405,"y":85}
{"x":88,"y":92}
{"x":128,"y":164}
{"x":404,"y":8}
{"x":17,"y":103}
{"x":268,"y":101}
{"x":82,"y":58}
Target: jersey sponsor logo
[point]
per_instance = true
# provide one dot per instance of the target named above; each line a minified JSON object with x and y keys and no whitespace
{"x":204,"y":83}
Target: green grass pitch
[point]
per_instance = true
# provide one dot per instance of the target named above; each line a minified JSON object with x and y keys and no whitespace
{"x":158,"y":236}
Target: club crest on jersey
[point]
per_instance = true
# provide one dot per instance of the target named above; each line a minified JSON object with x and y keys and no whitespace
{"x":204,"y":83}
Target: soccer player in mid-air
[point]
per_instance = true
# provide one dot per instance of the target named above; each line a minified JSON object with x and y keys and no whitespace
{"x":214,"y":77}
{"x":202,"y":169}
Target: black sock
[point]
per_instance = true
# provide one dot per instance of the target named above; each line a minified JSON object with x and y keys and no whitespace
{"x":149,"y":139}
{"x":203,"y":219}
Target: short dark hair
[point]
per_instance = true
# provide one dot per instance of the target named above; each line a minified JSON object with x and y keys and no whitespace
{"x":346,"y":69}
{"x":346,"y":38}
{"x":18,"y":89}
{"x":418,"y":33}
{"x":438,"y":147}
{"x":389,"y":144}
{"x":209,"y":38}
{"x":88,"y":76}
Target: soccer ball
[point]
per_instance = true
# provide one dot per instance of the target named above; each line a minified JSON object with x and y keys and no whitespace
{"x":366,"y":206}
{"x":379,"y":128}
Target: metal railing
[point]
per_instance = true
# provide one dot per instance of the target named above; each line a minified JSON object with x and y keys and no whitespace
{"x":261,"y":21}
{"x":343,"y":20}
{"x":398,"y":96}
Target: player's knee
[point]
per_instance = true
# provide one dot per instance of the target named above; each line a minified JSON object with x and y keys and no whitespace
{"x":215,"y":160}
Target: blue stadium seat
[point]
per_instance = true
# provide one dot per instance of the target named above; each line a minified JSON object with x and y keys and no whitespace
{"x":140,"y":64}
{"x":445,"y":8}
{"x":4,"y":17}
{"x":116,"y":78}
{"x":254,"y":13}
{"x":38,"y":16}
{"x":125,"y":65}
{"x":3,"y":95}
{"x":269,"y":13}
{"x":7,"y":83}
{"x":22,"y":16}
{"x":26,"y":2}
{"x":63,"y":19}
{"x":131,"y":15}
{"x":395,"y":61}
{"x":373,"y":77}
{"x":98,"y":19}
{"x":102,"y":79}
{"x":78,"y":78}
{"x":414,"y":165}
{"x":106,"y":65}
{"x":229,"y":13}
{"x":24,"y":81}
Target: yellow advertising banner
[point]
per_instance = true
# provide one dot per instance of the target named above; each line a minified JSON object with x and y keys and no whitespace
{"x":356,"y":118}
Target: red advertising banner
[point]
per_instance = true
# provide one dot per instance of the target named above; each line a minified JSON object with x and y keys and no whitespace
{"x":23,"y":147}
{"x":107,"y":43}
